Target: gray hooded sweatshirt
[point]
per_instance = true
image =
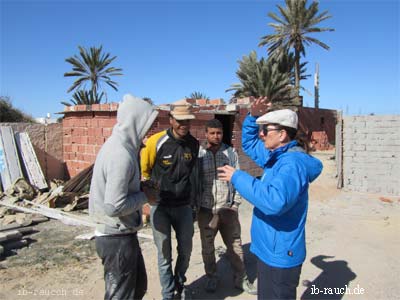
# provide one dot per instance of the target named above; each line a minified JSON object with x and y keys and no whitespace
{"x":115,"y":201}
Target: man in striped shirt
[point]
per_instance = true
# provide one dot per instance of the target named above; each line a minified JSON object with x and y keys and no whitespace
{"x":219,"y":210}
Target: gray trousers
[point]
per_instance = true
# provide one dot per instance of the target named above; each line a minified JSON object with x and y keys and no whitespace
{"x":229,"y":228}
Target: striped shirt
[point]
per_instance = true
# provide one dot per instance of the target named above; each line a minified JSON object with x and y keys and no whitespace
{"x":217,"y":193}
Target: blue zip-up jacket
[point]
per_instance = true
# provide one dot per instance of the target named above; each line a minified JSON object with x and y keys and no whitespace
{"x":280,"y":198}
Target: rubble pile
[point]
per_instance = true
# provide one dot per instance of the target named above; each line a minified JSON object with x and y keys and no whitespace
{"x":26,"y":198}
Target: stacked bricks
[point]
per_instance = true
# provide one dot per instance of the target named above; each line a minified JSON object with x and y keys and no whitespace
{"x":319,"y":125}
{"x":319,"y":141}
{"x":371,"y":154}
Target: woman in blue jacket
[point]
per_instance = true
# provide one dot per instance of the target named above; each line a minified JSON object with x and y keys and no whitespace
{"x":280,"y":198}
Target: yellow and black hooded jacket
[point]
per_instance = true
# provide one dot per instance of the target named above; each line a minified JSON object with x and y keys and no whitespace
{"x":170,"y":162}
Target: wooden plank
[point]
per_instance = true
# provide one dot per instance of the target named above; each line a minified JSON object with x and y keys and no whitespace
{"x":66,"y":218}
{"x":10,"y":168}
{"x":15,"y":245}
{"x":19,"y":227}
{"x":10,"y":235}
{"x":30,"y":161}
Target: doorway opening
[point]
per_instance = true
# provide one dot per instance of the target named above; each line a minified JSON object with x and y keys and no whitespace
{"x":227,"y":126}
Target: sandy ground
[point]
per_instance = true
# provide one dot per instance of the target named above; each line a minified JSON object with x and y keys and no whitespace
{"x":352,"y":240}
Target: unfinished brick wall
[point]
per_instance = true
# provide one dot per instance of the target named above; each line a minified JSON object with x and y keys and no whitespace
{"x":86,"y":128}
{"x":47,"y":141}
{"x":319,"y":124}
{"x":371,"y":154}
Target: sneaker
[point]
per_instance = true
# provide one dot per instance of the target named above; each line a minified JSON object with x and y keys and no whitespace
{"x":211,"y":284}
{"x":246,"y":285}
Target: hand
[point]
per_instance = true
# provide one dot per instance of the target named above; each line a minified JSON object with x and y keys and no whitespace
{"x":260,"y":106}
{"x":150,"y":189}
{"x":225,"y":173}
{"x":151,"y":195}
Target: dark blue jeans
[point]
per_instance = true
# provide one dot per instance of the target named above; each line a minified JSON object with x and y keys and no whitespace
{"x":124,"y":270}
{"x":277,"y":283}
{"x":180,"y":219}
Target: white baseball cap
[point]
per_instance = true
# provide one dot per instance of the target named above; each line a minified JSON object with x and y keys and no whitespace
{"x":284,"y":117}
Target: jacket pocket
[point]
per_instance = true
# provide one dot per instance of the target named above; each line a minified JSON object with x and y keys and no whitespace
{"x":283,"y":243}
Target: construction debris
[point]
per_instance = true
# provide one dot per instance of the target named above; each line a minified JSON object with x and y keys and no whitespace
{"x":30,"y":162}
{"x":64,"y":217}
{"x":81,"y":182}
{"x":13,"y":236}
{"x":10,"y":168}
{"x":26,"y":199}
{"x":15,"y":199}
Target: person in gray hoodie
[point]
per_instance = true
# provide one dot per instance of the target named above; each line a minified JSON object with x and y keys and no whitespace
{"x":116,"y":201}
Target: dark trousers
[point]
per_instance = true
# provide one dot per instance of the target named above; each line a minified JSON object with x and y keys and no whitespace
{"x":229,"y":228}
{"x":124,"y":270}
{"x":277,"y":283}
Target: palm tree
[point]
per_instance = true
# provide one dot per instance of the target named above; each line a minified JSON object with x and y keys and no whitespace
{"x":262,"y":78}
{"x":285,"y":63}
{"x":198,"y":95}
{"x":92,"y":66}
{"x":292,"y":31}
{"x":84,"y":97}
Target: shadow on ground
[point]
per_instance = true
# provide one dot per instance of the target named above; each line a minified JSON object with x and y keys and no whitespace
{"x":331,"y":282}
{"x":225,"y":272}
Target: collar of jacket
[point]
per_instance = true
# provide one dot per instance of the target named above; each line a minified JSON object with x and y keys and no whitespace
{"x":222,"y":147}
{"x":178,"y":141}
{"x":275,"y":154}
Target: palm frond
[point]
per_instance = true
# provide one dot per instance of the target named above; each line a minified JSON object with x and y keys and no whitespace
{"x":293,"y":25}
{"x":93,"y":67}
{"x":261,"y":78}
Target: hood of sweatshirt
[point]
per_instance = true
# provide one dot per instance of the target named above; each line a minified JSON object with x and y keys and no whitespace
{"x":134,"y":118}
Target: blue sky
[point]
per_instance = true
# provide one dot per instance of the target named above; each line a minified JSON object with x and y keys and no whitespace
{"x":169,"y":49}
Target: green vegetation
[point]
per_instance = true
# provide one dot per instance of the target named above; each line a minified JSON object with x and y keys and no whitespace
{"x":292,"y":30}
{"x":10,"y":114}
{"x":91,"y":67}
{"x":198,"y":95}
{"x":261,"y":78}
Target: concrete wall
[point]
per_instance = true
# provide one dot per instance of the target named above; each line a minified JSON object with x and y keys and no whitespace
{"x":47,"y":141}
{"x":371,"y":154}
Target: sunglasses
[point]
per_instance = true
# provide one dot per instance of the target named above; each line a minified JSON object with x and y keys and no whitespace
{"x":264,"y":128}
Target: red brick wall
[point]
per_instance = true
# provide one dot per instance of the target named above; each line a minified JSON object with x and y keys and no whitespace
{"x":320,"y":125}
{"x":85,"y":129}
